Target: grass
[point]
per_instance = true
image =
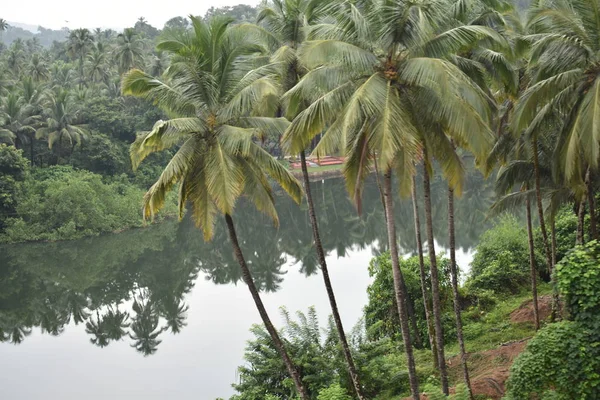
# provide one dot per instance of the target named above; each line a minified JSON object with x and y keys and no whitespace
{"x":325,"y":168}
{"x":482,"y":331}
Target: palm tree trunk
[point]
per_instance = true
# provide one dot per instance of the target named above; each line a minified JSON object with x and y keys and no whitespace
{"x":398,"y":288}
{"x":410,"y":309}
{"x":553,"y":236}
{"x":454,"y":278}
{"x":435,"y":283}
{"x":555,"y":314}
{"x":31,"y":150}
{"x":379,"y":187}
{"x":591,"y":205}
{"x":327,"y":281}
{"x":532,"y":268}
{"x":291,"y":368}
{"x":580,"y":222}
{"x":540,"y":207}
{"x":424,"y":290}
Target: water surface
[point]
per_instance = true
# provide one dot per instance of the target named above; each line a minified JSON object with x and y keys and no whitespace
{"x":156,"y":313}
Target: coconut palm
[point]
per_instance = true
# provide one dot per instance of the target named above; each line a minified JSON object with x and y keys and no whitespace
{"x":564,"y":64}
{"x":129,"y":52}
{"x":96,"y":66}
{"x":15,"y":57}
{"x":373,"y":76}
{"x":16,"y":125}
{"x":3,"y":26}
{"x":215,"y":98}
{"x":287,"y":21}
{"x":61,"y":124}
{"x":79,"y":43}
{"x":37,"y":68}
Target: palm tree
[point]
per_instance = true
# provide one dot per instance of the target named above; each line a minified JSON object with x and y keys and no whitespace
{"x":96,"y":66}
{"x":3,"y":26}
{"x":78,"y":44}
{"x":38,"y":68}
{"x":373,"y":75}
{"x":287,"y":20}
{"x":15,"y":57}
{"x":215,"y":98}
{"x":158,"y":63}
{"x":129,"y":51}
{"x":16,"y":126}
{"x":61,"y":123}
{"x":422,"y":276}
{"x":564,"y":83}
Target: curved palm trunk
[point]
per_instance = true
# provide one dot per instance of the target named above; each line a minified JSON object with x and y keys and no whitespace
{"x":435,"y":284}
{"x":532,"y":268}
{"x":398,"y":287}
{"x":591,"y":205}
{"x":291,"y":368}
{"x":328,"y":286}
{"x":424,"y":290}
{"x":454,"y":278}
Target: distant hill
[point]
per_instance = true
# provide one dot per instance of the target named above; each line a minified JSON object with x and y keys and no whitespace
{"x":27,"y":27}
{"x":46,"y":36}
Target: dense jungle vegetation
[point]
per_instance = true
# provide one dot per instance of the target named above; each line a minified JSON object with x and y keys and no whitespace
{"x":201,"y":113}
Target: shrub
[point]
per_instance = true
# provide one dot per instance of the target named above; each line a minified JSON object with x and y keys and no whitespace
{"x":563,"y":360}
{"x":501,"y":261}
{"x":578,"y":276}
{"x":61,"y":203}
{"x":333,"y":392}
{"x":13,"y":169}
{"x":381,"y":315}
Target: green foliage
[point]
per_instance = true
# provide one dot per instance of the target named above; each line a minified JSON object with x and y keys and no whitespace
{"x":103,"y":156}
{"x":578,"y":276}
{"x":264,"y":372}
{"x":13,"y":169}
{"x":563,"y":360}
{"x":434,"y":393}
{"x":501,"y":261}
{"x":62,"y":203}
{"x":333,"y":392}
{"x":381,"y":313}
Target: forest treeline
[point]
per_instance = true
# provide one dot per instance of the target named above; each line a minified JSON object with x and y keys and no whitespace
{"x":61,"y":105}
{"x":395,"y":87}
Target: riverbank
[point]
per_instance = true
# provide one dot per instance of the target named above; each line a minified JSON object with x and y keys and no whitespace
{"x":320,"y":173}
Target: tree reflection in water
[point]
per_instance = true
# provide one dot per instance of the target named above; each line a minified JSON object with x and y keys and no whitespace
{"x":132,"y":286}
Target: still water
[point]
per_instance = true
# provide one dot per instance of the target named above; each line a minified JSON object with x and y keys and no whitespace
{"x":156,"y":313}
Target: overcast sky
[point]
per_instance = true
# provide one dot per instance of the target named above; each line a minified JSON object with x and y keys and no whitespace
{"x":115,"y":14}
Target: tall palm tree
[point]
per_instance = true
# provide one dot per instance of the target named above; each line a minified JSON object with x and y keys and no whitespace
{"x":215,"y":97}
{"x":61,"y":124}
{"x":288,"y":20}
{"x":129,"y":52}
{"x":96,"y":66}
{"x":79,"y":43}
{"x":374,"y":73}
{"x":422,"y":276}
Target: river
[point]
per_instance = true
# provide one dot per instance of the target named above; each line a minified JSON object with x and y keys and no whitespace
{"x":63,"y":306}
